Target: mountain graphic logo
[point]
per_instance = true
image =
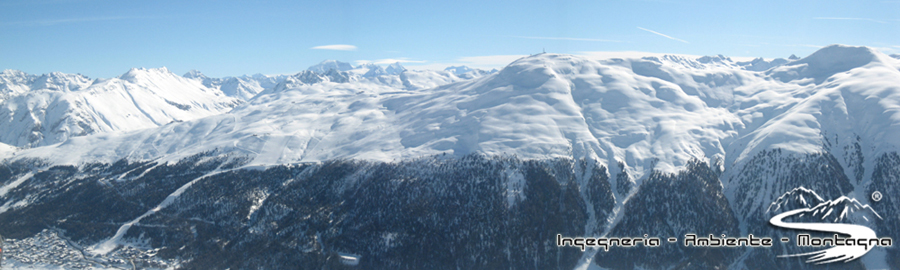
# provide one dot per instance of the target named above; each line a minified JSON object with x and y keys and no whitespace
{"x":804,"y":210}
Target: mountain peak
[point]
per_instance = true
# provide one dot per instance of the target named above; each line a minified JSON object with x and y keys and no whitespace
{"x":61,"y":82}
{"x":367,"y":65}
{"x":136,"y":73}
{"x":714,"y":59}
{"x":760,"y":64}
{"x":826,"y":62}
{"x":13,"y":72}
{"x":11,"y":77}
{"x":395,"y":68}
{"x":835,"y":57}
{"x":373,"y":70}
{"x":703,"y":62}
{"x":326,"y":65}
{"x":194,"y":74}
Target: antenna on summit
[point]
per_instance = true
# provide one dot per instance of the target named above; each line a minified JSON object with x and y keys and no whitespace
{"x":544,"y":50}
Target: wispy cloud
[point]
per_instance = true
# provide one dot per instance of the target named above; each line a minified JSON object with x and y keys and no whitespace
{"x":889,"y":49}
{"x":848,"y":19}
{"x":335,"y":47}
{"x":569,"y":38}
{"x":663,"y":35}
{"x":73,"y":20}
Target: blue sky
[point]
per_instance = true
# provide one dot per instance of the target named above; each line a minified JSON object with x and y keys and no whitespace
{"x":225,"y":38}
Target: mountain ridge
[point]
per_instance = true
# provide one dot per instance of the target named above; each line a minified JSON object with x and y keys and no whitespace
{"x":62,"y":106}
{"x":551,"y":81}
{"x":338,"y":163}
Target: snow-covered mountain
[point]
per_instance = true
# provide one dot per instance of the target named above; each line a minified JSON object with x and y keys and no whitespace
{"x":760,"y":64}
{"x":649,"y":113}
{"x":467,"y":72}
{"x":370,"y":70}
{"x":14,"y":82}
{"x":327,"y":65}
{"x":394,"y":76}
{"x":241,"y":87}
{"x":5,"y":148}
{"x":48,"y":109}
{"x":395,"y":69}
{"x":661,"y":145}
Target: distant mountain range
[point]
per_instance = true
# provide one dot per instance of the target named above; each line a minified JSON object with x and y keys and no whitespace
{"x":343,"y":166}
{"x":50,"y":108}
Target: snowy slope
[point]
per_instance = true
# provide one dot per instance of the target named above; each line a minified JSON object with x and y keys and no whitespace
{"x":58,"y":106}
{"x":14,"y":82}
{"x":846,"y":93}
{"x":650,"y":113}
{"x":768,"y":128}
{"x":6,"y":150}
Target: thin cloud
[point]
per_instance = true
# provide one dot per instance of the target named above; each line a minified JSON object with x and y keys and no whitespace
{"x":848,"y":19}
{"x":568,"y":38}
{"x":663,"y":35}
{"x":889,"y":49}
{"x":335,"y":47}
{"x":73,"y":20}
